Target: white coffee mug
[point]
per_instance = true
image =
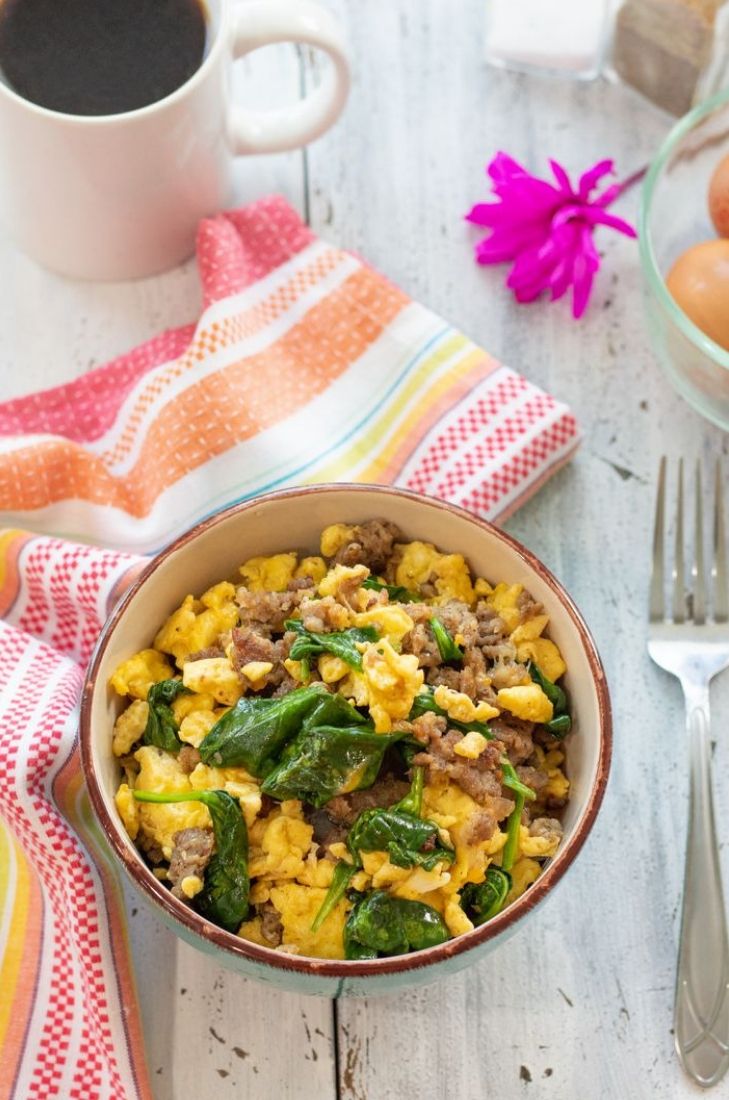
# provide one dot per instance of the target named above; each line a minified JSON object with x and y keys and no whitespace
{"x":120,"y":196}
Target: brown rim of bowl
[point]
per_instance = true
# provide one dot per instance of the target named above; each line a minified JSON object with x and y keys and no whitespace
{"x":336,"y":968}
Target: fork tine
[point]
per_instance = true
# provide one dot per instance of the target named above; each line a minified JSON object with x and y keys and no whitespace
{"x":656,"y":608}
{"x":679,"y":570}
{"x":697,"y":569}
{"x":719,"y":564}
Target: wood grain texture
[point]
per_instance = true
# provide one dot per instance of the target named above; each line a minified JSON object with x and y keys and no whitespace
{"x":577,"y":1006}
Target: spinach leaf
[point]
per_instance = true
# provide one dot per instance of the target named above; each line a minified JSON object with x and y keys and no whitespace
{"x":326,"y":760}
{"x":383,"y":925}
{"x":224,"y":897}
{"x":253,"y":732}
{"x":522,"y":793}
{"x":561,"y":722}
{"x":449,"y":651}
{"x":559,"y":726}
{"x":161,"y":729}
{"x":402,"y":836}
{"x":342,"y":643}
{"x":401,"y":832}
{"x":332,"y":709}
{"x":513,"y":782}
{"x":397,"y":593}
{"x":508,"y":854}
{"x":482,"y":901}
{"x":343,"y":874}
{"x":412,"y":803}
{"x":425,"y":702}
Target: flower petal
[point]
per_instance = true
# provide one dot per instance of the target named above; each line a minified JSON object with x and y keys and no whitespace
{"x":563,"y":180}
{"x":601,"y":217}
{"x":586,"y":264}
{"x":504,"y":168}
{"x":484,"y":213}
{"x":590,"y":178}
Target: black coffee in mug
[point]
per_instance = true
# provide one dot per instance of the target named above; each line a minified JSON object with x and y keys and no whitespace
{"x":99,"y":57}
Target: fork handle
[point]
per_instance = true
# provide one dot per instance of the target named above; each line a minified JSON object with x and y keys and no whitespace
{"x":701,"y":1015}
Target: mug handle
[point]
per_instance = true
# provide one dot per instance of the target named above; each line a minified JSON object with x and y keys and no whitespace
{"x":264,"y":23}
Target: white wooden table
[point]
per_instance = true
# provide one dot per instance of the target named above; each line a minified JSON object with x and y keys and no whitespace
{"x":577,"y":1006}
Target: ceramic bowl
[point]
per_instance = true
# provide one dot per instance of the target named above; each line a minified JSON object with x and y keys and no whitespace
{"x":293,"y":519}
{"x":673,"y":216}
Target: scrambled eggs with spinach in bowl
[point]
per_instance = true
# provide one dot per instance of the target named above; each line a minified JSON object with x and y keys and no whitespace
{"x":348,"y":755}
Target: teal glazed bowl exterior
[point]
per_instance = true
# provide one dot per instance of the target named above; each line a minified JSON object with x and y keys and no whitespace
{"x":293,"y":519}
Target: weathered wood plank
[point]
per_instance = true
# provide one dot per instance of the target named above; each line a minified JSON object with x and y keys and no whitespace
{"x":221,"y":1034}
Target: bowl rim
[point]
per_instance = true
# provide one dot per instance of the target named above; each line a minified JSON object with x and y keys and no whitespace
{"x":232,"y":944}
{"x":649,"y":264}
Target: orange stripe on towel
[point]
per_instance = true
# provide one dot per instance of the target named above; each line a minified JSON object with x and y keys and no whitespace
{"x":213,"y":415}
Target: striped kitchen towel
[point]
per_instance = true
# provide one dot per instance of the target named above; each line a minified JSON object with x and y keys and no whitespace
{"x":305,"y":366}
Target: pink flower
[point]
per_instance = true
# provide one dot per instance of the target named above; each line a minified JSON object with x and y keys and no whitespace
{"x":546,"y":229}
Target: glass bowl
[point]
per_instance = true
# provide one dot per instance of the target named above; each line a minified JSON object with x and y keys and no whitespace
{"x":673,"y":216}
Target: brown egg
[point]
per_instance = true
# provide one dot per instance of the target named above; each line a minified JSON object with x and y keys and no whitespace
{"x":699,"y":283}
{"x":719,"y":197}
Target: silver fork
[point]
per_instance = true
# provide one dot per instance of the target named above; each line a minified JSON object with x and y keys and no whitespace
{"x":693,"y":644}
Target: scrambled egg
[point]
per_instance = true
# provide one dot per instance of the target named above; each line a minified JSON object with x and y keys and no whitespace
{"x":393,"y":680}
{"x":126,"y":805}
{"x":524,"y":872}
{"x":331,"y":668}
{"x":187,"y":704}
{"x":236,"y":781}
{"x":256,"y":672}
{"x":453,"y":810}
{"x":342,"y":579}
{"x":537,"y":846}
{"x":129,"y":727}
{"x":270,"y":574}
{"x":160,"y":771}
{"x":420,"y":563}
{"x":333,"y":538}
{"x":214,"y":676}
{"x":294,"y":669}
{"x":471,"y":745}
{"x":197,"y":624}
{"x":558,"y":785}
{"x":391,"y":620}
{"x":461,"y":708}
{"x":526,"y":701}
{"x":137,"y":674}
{"x":191,"y":885}
{"x":545,"y":654}
{"x":504,"y":599}
{"x":280,"y":843}
{"x":354,"y":688}
{"x":297,"y":906}
{"x":314,"y":567}
{"x":195,"y":726}
{"x":456,"y":919}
